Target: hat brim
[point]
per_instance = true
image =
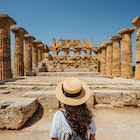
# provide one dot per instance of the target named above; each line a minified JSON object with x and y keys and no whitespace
{"x":82,"y":98}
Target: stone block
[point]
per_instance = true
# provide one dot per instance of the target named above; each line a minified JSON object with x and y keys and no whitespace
{"x":4,"y":92}
{"x":114,"y":98}
{"x":90,"y":102}
{"x":14,"y":112}
{"x":103,"y":106}
{"x":46,"y":98}
{"x":130,"y":98}
{"x":30,"y":74}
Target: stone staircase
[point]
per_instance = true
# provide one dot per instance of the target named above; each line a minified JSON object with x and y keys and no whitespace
{"x":100,"y":85}
{"x":106,"y":92}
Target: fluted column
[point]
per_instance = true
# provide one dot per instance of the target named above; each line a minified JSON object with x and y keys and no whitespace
{"x":116,"y":66}
{"x":18,"y":51}
{"x":35,"y":54}
{"x":136,"y":22}
{"x":28,"y":54}
{"x":5,"y":50}
{"x":109,"y":58}
{"x":126,"y":66}
{"x":98,"y":59}
{"x":40,"y":47}
{"x":103,"y":58}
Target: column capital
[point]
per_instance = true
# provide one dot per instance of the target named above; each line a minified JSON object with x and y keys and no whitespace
{"x":18,"y":30}
{"x":108,"y":44}
{"x":36,"y":42}
{"x":29,"y":38}
{"x":40,"y":45}
{"x":6,"y":20}
{"x":126,"y":31}
{"x":136,"y":21}
{"x":115,"y":38}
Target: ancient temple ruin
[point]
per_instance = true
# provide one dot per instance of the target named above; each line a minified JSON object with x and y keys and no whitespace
{"x":74,"y":55}
{"x":112,"y":58}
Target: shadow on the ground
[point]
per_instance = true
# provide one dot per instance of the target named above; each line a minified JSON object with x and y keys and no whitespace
{"x":35,"y":118}
{"x":2,"y":82}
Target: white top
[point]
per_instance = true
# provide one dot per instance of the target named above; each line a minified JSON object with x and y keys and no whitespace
{"x":59,"y":121}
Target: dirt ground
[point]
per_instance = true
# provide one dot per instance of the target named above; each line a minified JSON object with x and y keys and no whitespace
{"x":112,"y":124}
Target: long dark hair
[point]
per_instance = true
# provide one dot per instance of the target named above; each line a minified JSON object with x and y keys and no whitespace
{"x":79,"y":118}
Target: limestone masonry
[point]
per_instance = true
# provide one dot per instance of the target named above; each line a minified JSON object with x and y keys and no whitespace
{"x":38,"y":68}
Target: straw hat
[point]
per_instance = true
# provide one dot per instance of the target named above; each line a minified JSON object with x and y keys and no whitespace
{"x":72,"y":91}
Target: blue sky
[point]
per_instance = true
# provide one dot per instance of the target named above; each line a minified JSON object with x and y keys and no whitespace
{"x":72,"y":19}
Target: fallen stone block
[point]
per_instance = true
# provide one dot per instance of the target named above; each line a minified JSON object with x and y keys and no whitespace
{"x":46,"y":98}
{"x":14,"y":112}
{"x":30,"y":74}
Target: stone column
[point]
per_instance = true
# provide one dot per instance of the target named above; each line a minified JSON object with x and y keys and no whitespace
{"x":99,"y":59}
{"x":109,"y":58}
{"x":116,"y":66}
{"x":126,"y":66}
{"x":35,"y":54}
{"x":78,"y":51}
{"x":54,"y":47}
{"x":5,"y":51}
{"x":88,"y":52}
{"x":18,"y":51}
{"x":136,"y":22}
{"x":40,"y":47}
{"x":103,"y":58}
{"x":65,"y":51}
{"x":28,"y":54}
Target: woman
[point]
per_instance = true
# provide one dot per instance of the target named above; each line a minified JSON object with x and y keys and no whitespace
{"x":73,"y":93}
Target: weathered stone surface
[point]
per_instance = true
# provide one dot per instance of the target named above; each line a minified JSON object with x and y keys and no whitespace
{"x":103,"y":58}
{"x":18,"y":51}
{"x":5,"y":56}
{"x":117,"y":98}
{"x":4,"y":92}
{"x":21,"y":87}
{"x":69,"y":54}
{"x":35,"y":54}
{"x":126,"y":64}
{"x":109,"y":58}
{"x":136,"y":22}
{"x":30,"y":74}
{"x":46,"y":98}
{"x":116,"y":63}
{"x":14,"y":112}
{"x":101,"y":106}
{"x":28,"y":53}
{"x":108,"y":97}
{"x":130,"y":98}
{"x":90,"y":102}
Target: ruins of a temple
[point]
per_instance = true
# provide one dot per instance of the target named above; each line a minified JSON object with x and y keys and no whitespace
{"x":67,"y":55}
{"x":105,"y":68}
{"x":31,"y":55}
